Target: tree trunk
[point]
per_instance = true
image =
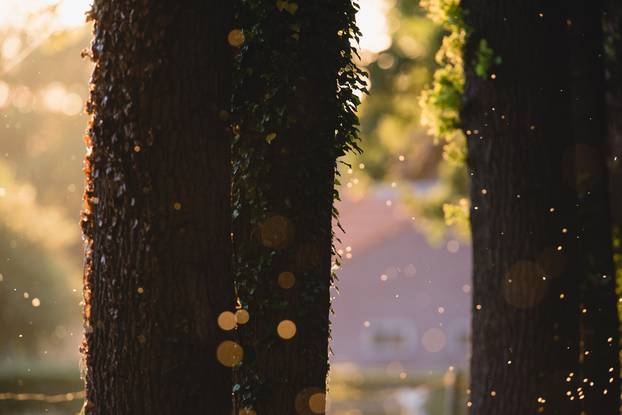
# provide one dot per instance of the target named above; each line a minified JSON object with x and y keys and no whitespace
{"x":157,"y":209}
{"x":612,"y":18}
{"x":527,"y":258}
{"x":284,"y":163}
{"x":613,"y":70}
{"x":600,"y":349}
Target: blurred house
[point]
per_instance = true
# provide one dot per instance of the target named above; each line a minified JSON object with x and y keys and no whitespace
{"x":401,"y":303}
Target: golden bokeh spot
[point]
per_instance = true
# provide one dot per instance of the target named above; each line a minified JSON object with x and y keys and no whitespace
{"x":276,"y":232}
{"x":140,"y":290}
{"x":286,"y":280}
{"x":227,"y":320}
{"x":291,"y":8}
{"x":270,"y":137}
{"x":310,"y":401}
{"x":36,"y":302}
{"x":434,"y":340}
{"x":525,"y":284}
{"x":242,"y":316}
{"x":236,"y":38}
{"x":141,"y":338}
{"x":177,"y":206}
{"x":286,"y":329}
{"x":317,"y":403}
{"x":247,"y":411}
{"x":229,"y":353}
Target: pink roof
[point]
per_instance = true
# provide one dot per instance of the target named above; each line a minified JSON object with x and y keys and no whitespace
{"x":400,"y":299}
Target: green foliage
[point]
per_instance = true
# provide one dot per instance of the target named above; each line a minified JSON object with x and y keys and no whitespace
{"x":390,"y":125}
{"x":423,"y":63}
{"x":617,"y":262}
{"x":454,"y":151}
{"x":456,"y":213}
{"x":484,"y":59}
{"x":446,"y":13}
{"x":441,"y":101}
{"x":441,"y":104}
{"x":444,"y":206}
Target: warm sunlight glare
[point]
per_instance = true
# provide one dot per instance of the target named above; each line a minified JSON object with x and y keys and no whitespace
{"x":71,"y":12}
{"x":372,"y":21}
{"x":20,"y":13}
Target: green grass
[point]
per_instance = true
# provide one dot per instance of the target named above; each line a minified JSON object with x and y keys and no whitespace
{"x":351,"y":393}
{"x":374,"y":393}
{"x":43,"y":381}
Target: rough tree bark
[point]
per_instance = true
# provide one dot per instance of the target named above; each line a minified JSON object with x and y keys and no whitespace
{"x":612,"y":18}
{"x":600,"y":349}
{"x":157,"y":208}
{"x":535,"y":236}
{"x":613,"y":70}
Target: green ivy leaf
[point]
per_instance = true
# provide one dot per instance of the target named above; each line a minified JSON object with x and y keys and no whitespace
{"x":270,"y":137}
{"x":291,"y":8}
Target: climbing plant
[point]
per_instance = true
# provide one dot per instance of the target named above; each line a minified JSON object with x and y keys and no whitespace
{"x":293,"y":115}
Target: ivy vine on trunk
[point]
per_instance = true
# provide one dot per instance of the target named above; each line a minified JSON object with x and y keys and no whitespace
{"x":294,"y":105}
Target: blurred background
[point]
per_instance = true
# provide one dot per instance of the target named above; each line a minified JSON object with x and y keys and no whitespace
{"x":400,"y":328}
